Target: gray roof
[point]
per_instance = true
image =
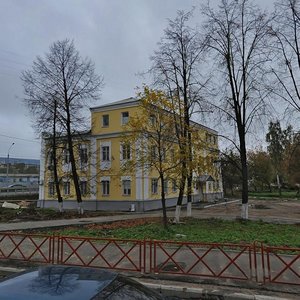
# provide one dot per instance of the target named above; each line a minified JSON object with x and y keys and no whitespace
{"x":116,"y":103}
{"x":204,"y":178}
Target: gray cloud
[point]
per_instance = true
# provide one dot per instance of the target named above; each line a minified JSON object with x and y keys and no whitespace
{"x":119,"y":36}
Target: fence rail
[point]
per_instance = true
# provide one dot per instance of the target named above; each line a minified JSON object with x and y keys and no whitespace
{"x":252,"y":262}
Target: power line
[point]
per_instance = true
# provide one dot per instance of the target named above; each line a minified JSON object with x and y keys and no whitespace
{"x":17,"y":138}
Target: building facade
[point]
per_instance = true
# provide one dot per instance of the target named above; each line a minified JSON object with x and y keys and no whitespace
{"x":101,"y":154}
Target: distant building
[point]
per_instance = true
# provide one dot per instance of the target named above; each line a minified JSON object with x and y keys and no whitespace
{"x":100,"y":154}
{"x":26,"y":180}
{"x":21,"y":171}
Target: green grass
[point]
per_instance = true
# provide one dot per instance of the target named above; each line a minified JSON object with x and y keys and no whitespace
{"x":275,"y":194}
{"x":212,"y":230}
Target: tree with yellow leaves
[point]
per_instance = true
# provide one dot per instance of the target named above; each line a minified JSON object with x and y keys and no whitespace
{"x":152,"y":133}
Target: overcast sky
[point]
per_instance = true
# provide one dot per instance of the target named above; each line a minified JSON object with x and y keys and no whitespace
{"x":118,"y":35}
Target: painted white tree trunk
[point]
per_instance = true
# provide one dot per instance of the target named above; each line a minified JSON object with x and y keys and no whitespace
{"x":80,"y":208}
{"x":60,"y":207}
{"x":189,"y":209}
{"x":177,"y":214}
{"x":244,"y":213}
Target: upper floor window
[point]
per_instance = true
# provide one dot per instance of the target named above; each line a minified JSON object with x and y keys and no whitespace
{"x":153,"y":152}
{"x":50,"y":159}
{"x":125,"y":117}
{"x":125,"y":151}
{"x":83,"y":155}
{"x":105,"y":120}
{"x":66,"y":156}
{"x":152,"y":120}
{"x":105,"y":153}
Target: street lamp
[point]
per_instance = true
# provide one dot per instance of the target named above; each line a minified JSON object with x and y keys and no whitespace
{"x":7,"y":165}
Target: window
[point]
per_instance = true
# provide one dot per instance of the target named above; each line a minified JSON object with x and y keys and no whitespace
{"x":152,"y":120}
{"x":153,"y":152}
{"x":154,"y":186}
{"x":66,"y":188}
{"x":51,"y":188}
{"x":105,"y":120}
{"x":126,"y":184}
{"x":174,"y":186}
{"x":50,"y":160}
{"x":83,"y":155}
{"x":166,"y":186}
{"x":66,"y":156}
{"x":105,"y":153}
{"x":125,"y":117}
{"x":105,"y":187}
{"x":172,"y":155}
{"x":83,"y":187}
{"x":163,"y":154}
{"x":125,"y":151}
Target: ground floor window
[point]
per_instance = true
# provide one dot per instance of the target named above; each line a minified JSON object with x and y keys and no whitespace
{"x":66,"y":188}
{"x":83,"y":187}
{"x":126,"y":186}
{"x":174,"y":186}
{"x":51,"y":188}
{"x":166,"y":186}
{"x":105,"y":187}
{"x":154,"y":185}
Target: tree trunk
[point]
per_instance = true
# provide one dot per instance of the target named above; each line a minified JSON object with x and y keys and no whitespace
{"x":163,"y":201}
{"x":54,"y":151}
{"x":243,"y":154}
{"x":73,"y":163}
{"x":180,"y":197}
{"x":278,"y":184}
{"x":189,"y":196}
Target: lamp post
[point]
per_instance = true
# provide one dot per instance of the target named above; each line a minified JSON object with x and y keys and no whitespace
{"x":7,"y":165}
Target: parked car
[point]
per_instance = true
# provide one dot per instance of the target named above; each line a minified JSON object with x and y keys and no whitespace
{"x":17,"y":186}
{"x":72,"y":283}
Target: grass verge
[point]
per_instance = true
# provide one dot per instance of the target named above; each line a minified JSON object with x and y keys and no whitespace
{"x":195,"y":230}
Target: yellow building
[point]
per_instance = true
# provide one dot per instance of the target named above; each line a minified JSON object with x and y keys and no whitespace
{"x":105,"y":185}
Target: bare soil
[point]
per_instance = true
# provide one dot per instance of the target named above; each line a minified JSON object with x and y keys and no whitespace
{"x":284,"y":210}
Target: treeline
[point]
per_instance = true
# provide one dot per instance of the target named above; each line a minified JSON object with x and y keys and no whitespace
{"x":272,"y":169}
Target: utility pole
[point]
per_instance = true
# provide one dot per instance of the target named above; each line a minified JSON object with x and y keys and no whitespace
{"x":7,"y":163}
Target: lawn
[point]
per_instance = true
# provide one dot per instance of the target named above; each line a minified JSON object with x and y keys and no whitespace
{"x":196,"y":230}
{"x":275,"y":194}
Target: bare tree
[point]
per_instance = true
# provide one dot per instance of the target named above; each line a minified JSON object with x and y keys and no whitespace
{"x":69,"y":80}
{"x":236,"y":37}
{"x":286,"y":33}
{"x":176,"y":71}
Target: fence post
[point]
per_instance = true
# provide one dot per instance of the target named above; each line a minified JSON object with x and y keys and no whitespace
{"x":263,"y":262}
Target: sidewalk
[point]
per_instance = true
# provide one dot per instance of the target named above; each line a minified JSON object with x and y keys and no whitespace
{"x":68,"y":222}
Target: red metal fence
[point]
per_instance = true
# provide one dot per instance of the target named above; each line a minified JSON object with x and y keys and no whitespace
{"x":255,"y":261}
{"x":34,"y":248}
{"x":104,"y":253}
{"x":204,"y":259}
{"x":283,"y":265}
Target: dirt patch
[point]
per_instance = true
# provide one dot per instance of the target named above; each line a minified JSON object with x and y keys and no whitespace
{"x":285,"y":210}
{"x":8,"y":215}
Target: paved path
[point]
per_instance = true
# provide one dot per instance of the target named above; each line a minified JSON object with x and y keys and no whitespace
{"x":66,"y":222}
